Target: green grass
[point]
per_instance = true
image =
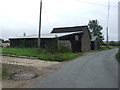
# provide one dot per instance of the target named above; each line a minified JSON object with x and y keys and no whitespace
{"x":106,"y":48}
{"x":44,"y":54}
{"x":41,"y":54}
{"x":4,"y":74}
{"x":0,"y":49}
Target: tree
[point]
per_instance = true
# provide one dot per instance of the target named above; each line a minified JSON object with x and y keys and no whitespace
{"x":95,"y":29}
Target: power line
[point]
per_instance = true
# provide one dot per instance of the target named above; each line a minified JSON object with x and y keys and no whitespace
{"x":99,"y":4}
{"x":92,"y":3}
{"x":47,"y":16}
{"x":108,"y":13}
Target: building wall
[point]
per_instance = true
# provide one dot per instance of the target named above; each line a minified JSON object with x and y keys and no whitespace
{"x":94,"y":45}
{"x":33,"y":43}
{"x":85,"y":41}
{"x":71,"y":42}
{"x":49,"y":43}
{"x":23,"y":42}
{"x":65,"y":43}
{"x":76,"y":42}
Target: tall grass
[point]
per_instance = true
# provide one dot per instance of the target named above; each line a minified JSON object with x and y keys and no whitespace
{"x":107,"y":47}
{"x":43,"y":54}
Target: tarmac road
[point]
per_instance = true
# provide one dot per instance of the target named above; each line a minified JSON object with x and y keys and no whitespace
{"x":96,"y":70}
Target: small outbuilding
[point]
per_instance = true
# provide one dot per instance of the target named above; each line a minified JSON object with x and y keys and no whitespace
{"x":94,"y":43}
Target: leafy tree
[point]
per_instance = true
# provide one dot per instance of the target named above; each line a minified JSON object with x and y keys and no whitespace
{"x":95,"y":28}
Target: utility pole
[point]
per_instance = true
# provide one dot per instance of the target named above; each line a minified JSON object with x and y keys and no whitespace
{"x":39,"y":35}
{"x":24,"y":34}
{"x":119,"y":25}
{"x":107,"y":36}
{"x":107,"y":29}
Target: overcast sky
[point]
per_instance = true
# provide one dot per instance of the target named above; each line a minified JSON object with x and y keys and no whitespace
{"x":22,"y":16}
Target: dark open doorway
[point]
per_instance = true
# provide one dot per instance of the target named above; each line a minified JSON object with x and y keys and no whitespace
{"x":76,"y":43}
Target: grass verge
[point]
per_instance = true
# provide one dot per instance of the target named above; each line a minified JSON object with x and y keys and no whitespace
{"x":106,"y":48}
{"x":46,"y":55}
{"x":4,"y":74}
{"x":41,"y":54}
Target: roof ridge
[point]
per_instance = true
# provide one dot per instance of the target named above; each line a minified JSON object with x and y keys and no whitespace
{"x":70,"y":27}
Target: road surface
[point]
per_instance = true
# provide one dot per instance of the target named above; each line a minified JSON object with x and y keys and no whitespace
{"x":96,"y":70}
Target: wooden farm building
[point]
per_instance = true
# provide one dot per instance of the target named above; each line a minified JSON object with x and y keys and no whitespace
{"x":76,"y":38}
{"x":80,"y":41}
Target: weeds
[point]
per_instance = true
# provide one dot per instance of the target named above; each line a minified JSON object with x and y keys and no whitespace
{"x":61,"y":54}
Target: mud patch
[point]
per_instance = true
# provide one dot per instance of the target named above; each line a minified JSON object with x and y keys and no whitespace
{"x":13,"y":82}
{"x":22,"y":76}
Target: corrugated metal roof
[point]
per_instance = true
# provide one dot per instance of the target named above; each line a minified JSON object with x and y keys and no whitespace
{"x":69,"y":29}
{"x":48,"y":35}
{"x":94,"y":38}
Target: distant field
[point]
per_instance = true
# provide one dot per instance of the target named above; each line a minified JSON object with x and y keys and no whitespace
{"x":41,"y":54}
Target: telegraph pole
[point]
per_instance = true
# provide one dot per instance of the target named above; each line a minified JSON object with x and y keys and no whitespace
{"x":119,"y":25}
{"x":107,"y":29}
{"x":39,"y":35}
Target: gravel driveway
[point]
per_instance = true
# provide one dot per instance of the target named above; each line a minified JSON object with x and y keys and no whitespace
{"x":27,"y":62}
{"x":22,"y":65}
